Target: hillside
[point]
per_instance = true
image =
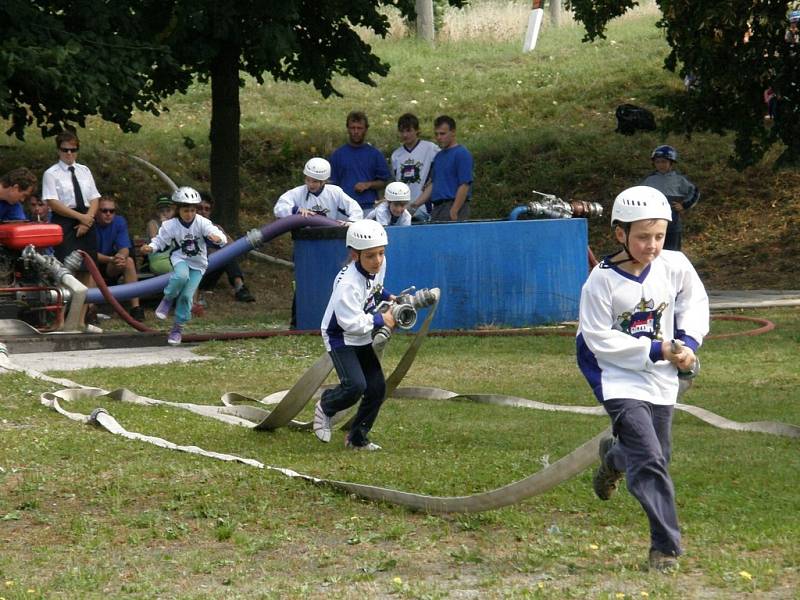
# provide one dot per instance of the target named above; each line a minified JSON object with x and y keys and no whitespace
{"x":542,"y":121}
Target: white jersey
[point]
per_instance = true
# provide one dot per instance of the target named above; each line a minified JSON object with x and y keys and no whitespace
{"x":330,"y":202}
{"x":350,"y":316}
{"x":384,"y":216}
{"x":190,"y":240}
{"x":624,"y":319}
{"x":413,"y":167}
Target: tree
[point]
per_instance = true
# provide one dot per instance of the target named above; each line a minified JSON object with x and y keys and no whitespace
{"x":733,"y":52}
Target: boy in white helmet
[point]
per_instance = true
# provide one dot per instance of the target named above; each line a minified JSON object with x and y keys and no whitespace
{"x":187,"y":231}
{"x":318,"y":197}
{"x":633,"y":305}
{"x":347,"y":326}
{"x":393,"y":210}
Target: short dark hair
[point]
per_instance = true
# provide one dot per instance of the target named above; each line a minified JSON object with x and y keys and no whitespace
{"x":445,"y":120}
{"x":21,"y":176}
{"x":67,"y":136}
{"x":357,"y":116}
{"x":408,"y":121}
{"x":205,"y":196}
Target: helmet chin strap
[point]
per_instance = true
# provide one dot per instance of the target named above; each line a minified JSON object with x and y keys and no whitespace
{"x":626,"y":228}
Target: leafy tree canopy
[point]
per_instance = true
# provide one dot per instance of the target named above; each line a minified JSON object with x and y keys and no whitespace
{"x":734,"y":52}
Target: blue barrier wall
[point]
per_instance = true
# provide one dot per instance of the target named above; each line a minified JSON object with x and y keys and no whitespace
{"x":500,"y":273}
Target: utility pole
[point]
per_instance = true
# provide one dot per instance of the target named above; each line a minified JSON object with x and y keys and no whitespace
{"x":556,"y":10}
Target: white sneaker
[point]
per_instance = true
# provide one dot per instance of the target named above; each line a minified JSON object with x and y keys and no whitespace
{"x":322,"y":423}
{"x":89,"y":328}
{"x":368,"y":447}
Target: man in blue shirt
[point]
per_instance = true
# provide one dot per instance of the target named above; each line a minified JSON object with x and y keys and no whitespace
{"x":450,"y":185}
{"x":358,"y":167}
{"x":15,"y":187}
{"x":114,"y":249}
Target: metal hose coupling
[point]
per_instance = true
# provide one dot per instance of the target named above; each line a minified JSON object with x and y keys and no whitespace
{"x":694,"y":371}
{"x":553,"y":207}
{"x":255,"y":237}
{"x":404,"y":310}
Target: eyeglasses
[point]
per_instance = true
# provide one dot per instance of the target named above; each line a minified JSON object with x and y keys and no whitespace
{"x":108,"y":211}
{"x":69,"y":150}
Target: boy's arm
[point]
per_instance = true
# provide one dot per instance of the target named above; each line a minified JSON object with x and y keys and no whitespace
{"x":350,"y":314}
{"x":285,"y":206}
{"x":692,"y":195}
{"x":692,"y":320}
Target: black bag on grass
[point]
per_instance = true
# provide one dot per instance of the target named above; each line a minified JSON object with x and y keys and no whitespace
{"x":630,"y":118}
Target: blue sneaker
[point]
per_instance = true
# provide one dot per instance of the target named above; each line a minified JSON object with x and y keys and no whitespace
{"x":163,"y":308}
{"x":175,"y":335}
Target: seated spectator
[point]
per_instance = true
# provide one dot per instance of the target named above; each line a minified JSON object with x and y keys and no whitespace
{"x":158,"y":263}
{"x":38,"y":209}
{"x":15,"y":187}
{"x":114,"y":249}
{"x":393,"y":210}
{"x":231,"y":268}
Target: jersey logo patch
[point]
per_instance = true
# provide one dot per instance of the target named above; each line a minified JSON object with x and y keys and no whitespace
{"x":644,"y":320}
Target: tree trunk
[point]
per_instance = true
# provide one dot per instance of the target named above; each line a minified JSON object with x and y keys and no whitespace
{"x":425,"y":20}
{"x":224,"y":136}
{"x":555,"y":12}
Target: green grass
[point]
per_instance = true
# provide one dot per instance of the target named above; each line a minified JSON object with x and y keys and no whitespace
{"x":86,"y":514}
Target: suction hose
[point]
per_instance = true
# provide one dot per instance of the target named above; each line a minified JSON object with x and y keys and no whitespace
{"x":243,"y":245}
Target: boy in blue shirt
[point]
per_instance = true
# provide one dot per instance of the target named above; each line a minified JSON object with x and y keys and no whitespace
{"x":15,"y":187}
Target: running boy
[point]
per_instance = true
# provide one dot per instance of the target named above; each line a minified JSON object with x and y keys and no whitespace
{"x":188,"y":231}
{"x":347,"y":327}
{"x":318,"y":197}
{"x":681,"y":193}
{"x":633,"y":305}
{"x":393,"y":210}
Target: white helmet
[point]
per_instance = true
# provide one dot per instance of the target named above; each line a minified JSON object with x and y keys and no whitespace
{"x":317,"y":168}
{"x":186,"y":195}
{"x":366,"y":234}
{"x":638,"y":203}
{"x":397,"y":191}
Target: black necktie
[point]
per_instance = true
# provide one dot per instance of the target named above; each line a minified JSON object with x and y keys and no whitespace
{"x":79,"y":204}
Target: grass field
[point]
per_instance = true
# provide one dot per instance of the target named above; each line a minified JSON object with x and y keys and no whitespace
{"x":84,"y":514}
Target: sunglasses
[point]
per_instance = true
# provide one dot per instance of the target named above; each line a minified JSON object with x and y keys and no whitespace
{"x":108,"y":211}
{"x":69,"y":150}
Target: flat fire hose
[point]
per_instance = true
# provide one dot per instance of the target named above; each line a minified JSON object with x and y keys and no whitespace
{"x":287,"y":404}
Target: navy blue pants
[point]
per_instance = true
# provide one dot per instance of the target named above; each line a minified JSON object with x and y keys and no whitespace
{"x":361,"y":376}
{"x":643,"y":451}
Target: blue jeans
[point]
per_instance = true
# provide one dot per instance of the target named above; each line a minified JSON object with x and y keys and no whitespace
{"x":360,"y":375}
{"x":643,"y":451}
{"x":181,"y":288}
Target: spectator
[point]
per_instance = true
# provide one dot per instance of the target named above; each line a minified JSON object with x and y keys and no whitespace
{"x":69,"y":189}
{"x":318,"y":197}
{"x":189,"y":232}
{"x":158,"y":262}
{"x":15,"y":187}
{"x":38,"y":210}
{"x":681,"y":193}
{"x":114,"y":250}
{"x":231,"y":268}
{"x":411,"y":162}
{"x":450,"y":186}
{"x":393,"y":210}
{"x":358,"y":167}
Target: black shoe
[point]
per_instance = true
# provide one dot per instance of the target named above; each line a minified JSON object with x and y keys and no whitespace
{"x":606,"y":477}
{"x":244,"y":295}
{"x":137,"y":313}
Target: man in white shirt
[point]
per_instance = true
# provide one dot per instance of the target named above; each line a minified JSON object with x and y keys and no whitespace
{"x":411,"y":162}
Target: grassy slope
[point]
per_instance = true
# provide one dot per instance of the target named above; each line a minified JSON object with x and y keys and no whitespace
{"x":542,"y":121}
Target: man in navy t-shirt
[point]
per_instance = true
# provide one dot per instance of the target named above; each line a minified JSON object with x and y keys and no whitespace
{"x":358,"y":167}
{"x":450,"y":185}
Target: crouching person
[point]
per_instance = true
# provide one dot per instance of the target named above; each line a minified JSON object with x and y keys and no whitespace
{"x":347,"y":326}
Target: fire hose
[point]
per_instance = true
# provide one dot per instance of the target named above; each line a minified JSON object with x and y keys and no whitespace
{"x":286,"y":405}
